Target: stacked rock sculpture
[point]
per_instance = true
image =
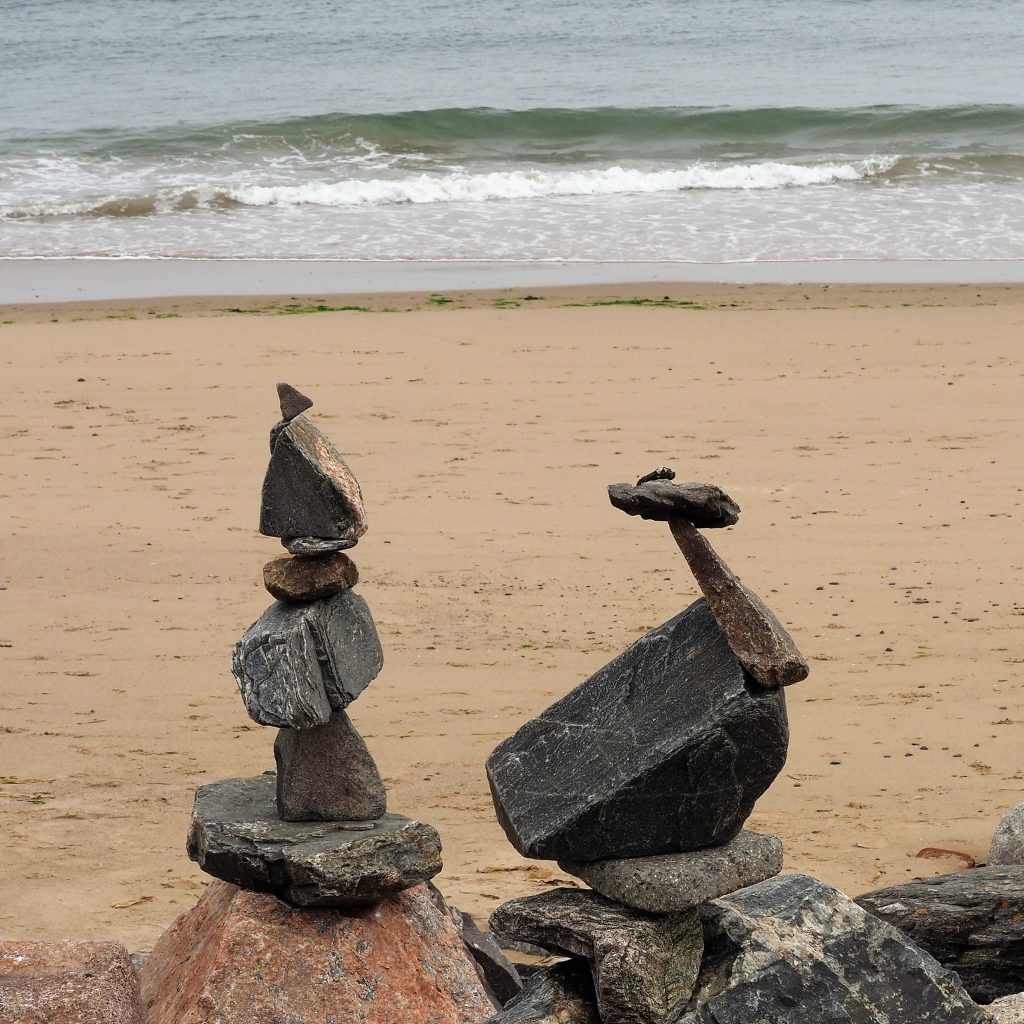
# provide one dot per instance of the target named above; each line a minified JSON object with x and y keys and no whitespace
{"x":639,"y":781}
{"x":316,"y":832}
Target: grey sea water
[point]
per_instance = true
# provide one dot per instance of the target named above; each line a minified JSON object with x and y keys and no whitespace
{"x":599,"y":130}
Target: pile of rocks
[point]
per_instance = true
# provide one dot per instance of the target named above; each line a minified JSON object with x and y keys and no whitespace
{"x":639,"y":781}
{"x":353,"y":933}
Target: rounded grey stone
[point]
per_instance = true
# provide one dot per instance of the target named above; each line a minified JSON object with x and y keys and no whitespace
{"x":672,"y":882}
{"x":1008,"y":841}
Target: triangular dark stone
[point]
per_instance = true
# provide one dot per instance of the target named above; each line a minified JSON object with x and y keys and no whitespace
{"x":292,"y":401}
{"x":309,"y":490}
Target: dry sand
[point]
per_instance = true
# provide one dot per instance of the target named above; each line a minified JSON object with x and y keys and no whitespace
{"x":872,"y":436}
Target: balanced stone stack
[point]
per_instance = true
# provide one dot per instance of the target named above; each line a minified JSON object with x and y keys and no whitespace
{"x":639,"y":782}
{"x":316,"y":832}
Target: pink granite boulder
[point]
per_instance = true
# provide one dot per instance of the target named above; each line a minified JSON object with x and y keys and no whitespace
{"x":241,"y":957}
{"x":67,"y":983}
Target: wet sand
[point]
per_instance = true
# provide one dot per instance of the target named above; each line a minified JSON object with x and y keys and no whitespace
{"x":870,"y":433}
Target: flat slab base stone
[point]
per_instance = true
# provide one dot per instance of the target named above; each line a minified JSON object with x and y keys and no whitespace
{"x":244,"y":958}
{"x":236,"y":835}
{"x":671,"y":882}
{"x":644,"y":966}
{"x":67,"y":983}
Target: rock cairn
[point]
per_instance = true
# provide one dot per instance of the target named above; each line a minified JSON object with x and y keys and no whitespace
{"x":315,"y":833}
{"x":639,"y":782}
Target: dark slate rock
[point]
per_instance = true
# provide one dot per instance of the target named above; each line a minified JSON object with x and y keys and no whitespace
{"x":793,"y":950}
{"x":643,"y":965}
{"x":1008,"y":840}
{"x":756,"y":636}
{"x":298,"y":661}
{"x":499,"y":975}
{"x":704,"y":505}
{"x":665,"y":749}
{"x":314,"y":547}
{"x":308,"y":579}
{"x":562,"y":994}
{"x":327,"y":774}
{"x":292,"y":401}
{"x":672,"y":882}
{"x":970,"y":921}
{"x":236,"y":835}
{"x":309,"y":490}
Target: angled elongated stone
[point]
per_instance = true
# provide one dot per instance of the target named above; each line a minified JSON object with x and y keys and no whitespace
{"x":704,"y":505}
{"x":758,"y":639}
{"x":562,"y":994}
{"x":292,"y":401}
{"x":309,"y":490}
{"x":793,"y":950}
{"x":671,"y":882}
{"x":236,"y":835}
{"x":327,"y":774}
{"x":298,"y":661}
{"x":644,"y":966}
{"x":971,"y":921}
{"x":664,"y":749}
{"x":499,"y":975}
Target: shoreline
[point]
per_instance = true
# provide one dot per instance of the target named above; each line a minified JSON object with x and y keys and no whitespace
{"x":59,"y":280}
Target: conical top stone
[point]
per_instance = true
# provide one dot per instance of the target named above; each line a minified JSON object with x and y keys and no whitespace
{"x":309,"y":490}
{"x":292,"y":401}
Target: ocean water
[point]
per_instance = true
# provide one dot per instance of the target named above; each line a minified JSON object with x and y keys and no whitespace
{"x":633,"y":130}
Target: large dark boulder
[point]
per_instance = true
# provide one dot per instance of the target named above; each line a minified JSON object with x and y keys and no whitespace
{"x":665,"y":749}
{"x":643,"y":965}
{"x":793,"y":950}
{"x":970,"y":921}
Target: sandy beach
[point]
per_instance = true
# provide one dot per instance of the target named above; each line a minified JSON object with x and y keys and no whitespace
{"x":871,"y":434}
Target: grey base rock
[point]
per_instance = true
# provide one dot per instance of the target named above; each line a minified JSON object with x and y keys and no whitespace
{"x":1008,"y":841}
{"x":672,"y":882}
{"x":563,"y":994}
{"x":644,"y":966}
{"x":971,"y":921}
{"x":793,"y":950}
{"x":327,"y":774}
{"x":237,"y":836}
{"x":663,"y":750}
{"x":298,"y":661}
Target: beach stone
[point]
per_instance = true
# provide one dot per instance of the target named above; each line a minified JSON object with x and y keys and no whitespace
{"x":562,"y":994}
{"x":970,"y":921}
{"x":67,"y":983}
{"x":644,"y":966}
{"x":793,"y":950}
{"x":244,"y":958}
{"x":314,"y":547}
{"x":309,"y":490}
{"x":671,"y":882}
{"x":1008,"y":1010}
{"x":327,"y":774}
{"x":1008,"y":841}
{"x":307,"y":579}
{"x":292,"y":401}
{"x":236,"y":835}
{"x":499,"y":975}
{"x":756,"y":636}
{"x":663,"y":750}
{"x":298,"y":661}
{"x":704,"y":505}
